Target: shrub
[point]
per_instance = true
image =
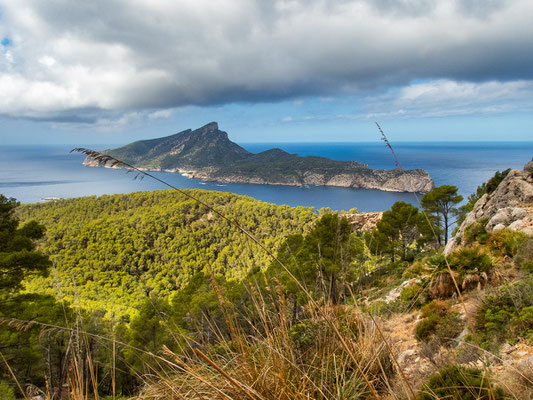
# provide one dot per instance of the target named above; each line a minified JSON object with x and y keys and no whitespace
{"x":524,"y":255}
{"x":471,"y":267}
{"x":492,"y":183}
{"x":476,"y":232}
{"x":413,"y":294}
{"x":304,"y":334}
{"x":506,"y":241}
{"x":438,"y":323}
{"x":507,"y":314}
{"x":6,"y":392}
{"x":459,"y":383}
{"x":470,"y":259}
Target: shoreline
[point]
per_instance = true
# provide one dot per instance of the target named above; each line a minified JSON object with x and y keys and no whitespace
{"x":191,"y":174}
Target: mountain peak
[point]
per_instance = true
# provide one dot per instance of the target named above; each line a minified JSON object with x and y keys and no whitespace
{"x":203,"y":147}
{"x":212,"y":126}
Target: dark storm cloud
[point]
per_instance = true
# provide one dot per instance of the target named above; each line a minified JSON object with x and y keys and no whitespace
{"x":68,"y":55}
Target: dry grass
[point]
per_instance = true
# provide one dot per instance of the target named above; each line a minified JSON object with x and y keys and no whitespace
{"x":280,"y":361}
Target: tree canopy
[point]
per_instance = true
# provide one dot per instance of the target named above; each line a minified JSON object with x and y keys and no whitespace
{"x":441,"y":203}
{"x":111,"y":252}
{"x":399,"y":227}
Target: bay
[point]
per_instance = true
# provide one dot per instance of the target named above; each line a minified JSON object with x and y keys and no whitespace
{"x":31,"y":173}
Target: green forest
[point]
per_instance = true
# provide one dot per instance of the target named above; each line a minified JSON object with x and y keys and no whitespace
{"x":110,"y":252}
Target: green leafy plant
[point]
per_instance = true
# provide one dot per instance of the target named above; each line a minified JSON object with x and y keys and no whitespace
{"x":459,"y":383}
{"x":476,"y":232}
{"x":524,"y":255}
{"x":506,"y":241}
{"x":438,"y":323}
{"x":506,"y":314}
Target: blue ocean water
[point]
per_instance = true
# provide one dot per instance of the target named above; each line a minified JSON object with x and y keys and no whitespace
{"x":31,"y":173}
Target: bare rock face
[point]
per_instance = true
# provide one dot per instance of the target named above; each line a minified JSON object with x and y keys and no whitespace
{"x":509,"y":206}
{"x":364,"y":222}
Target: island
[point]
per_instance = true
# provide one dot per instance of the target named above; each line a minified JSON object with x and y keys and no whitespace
{"x":208,"y":154}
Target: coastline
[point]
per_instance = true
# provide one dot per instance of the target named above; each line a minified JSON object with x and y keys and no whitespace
{"x":192,"y":174}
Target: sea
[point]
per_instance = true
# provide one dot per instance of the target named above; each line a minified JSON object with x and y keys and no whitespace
{"x":33,"y":173}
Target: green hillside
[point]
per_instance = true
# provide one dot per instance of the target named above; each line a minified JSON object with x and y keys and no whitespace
{"x":112,"y":251}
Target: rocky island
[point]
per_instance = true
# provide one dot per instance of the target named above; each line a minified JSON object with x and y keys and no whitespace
{"x":208,"y":154}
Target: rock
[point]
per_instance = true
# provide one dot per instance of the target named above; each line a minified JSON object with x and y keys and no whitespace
{"x":395,"y":293}
{"x":364,"y":222}
{"x":528,"y":230}
{"x":510,"y":205}
{"x":518,"y":213}
{"x":515,"y":226}
{"x":501,"y":218}
{"x":406,"y":355}
{"x":498,"y":227}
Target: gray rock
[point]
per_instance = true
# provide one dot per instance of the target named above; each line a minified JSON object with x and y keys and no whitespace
{"x":518,"y":213}
{"x":528,"y":230}
{"x":498,"y":227}
{"x":501,"y":218}
{"x":516,"y":225}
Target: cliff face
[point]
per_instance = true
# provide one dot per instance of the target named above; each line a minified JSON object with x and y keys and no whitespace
{"x":391,"y":181}
{"x":364,"y":222}
{"x":509,"y":206}
{"x":207,"y":153}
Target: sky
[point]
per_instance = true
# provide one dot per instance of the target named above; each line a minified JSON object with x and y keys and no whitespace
{"x":115,"y":71}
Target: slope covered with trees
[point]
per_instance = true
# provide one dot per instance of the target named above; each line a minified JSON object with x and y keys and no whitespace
{"x":113,"y":251}
{"x":335,"y":314}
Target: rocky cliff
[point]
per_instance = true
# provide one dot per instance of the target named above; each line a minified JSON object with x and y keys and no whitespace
{"x":364,"y":222}
{"x":509,"y":206}
{"x":208,"y":154}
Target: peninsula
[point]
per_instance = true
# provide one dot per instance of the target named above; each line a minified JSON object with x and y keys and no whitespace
{"x":208,"y":154}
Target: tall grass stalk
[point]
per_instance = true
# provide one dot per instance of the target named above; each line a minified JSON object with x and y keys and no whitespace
{"x":452,"y":275}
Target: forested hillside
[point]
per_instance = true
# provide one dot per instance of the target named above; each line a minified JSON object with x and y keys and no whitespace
{"x":113,"y":251}
{"x":337,"y":314}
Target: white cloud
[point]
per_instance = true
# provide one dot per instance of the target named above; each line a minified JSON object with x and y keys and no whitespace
{"x":165,"y":113}
{"x":74,"y":58}
{"x":445,"y":98}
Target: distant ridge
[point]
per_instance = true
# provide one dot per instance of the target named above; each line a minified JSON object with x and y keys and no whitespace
{"x":208,"y":154}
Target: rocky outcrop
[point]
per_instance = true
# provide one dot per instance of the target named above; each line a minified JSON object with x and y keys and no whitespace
{"x":389,"y":181}
{"x":364,"y":222}
{"x":509,"y":206}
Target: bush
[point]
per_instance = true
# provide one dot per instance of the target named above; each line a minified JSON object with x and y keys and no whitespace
{"x":471,"y":259}
{"x":492,"y":183}
{"x":506,"y":241}
{"x":476,"y":232}
{"x":471,"y":267}
{"x":524,"y":255}
{"x":459,"y":383}
{"x":304,"y":334}
{"x":507,"y":314}
{"x":414,"y":294}
{"x":438,"y":323}
{"x":6,"y":392}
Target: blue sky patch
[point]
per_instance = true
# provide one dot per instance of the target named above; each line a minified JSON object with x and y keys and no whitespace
{"x":6,"y":42}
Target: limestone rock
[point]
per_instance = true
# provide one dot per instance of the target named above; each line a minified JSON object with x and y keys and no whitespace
{"x":364,"y":221}
{"x":498,"y":227}
{"x":509,"y":206}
